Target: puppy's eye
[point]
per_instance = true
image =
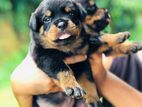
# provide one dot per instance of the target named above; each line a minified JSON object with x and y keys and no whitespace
{"x":46,"y":19}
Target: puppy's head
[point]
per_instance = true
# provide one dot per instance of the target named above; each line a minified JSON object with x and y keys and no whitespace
{"x":97,"y":18}
{"x":57,"y":22}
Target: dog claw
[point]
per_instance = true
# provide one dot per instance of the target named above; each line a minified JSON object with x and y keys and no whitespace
{"x":134,"y":48}
{"x":124,"y":36}
{"x":75,"y":93}
{"x":69,"y":91}
{"x":127,"y":34}
{"x":139,"y":46}
{"x":79,"y":93}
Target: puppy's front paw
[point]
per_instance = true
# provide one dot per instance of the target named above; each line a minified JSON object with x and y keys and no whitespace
{"x":114,"y":39}
{"x":125,"y":48}
{"x":70,"y":85}
{"x":122,"y":36}
{"x":75,"y":92}
{"x":133,"y":48}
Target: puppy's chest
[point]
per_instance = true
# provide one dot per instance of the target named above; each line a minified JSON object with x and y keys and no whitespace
{"x":83,"y":49}
{"x":82,"y":68}
{"x":80,"y":46}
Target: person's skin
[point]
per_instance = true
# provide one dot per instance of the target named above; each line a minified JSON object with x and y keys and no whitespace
{"x":112,"y":88}
{"x":27,"y":80}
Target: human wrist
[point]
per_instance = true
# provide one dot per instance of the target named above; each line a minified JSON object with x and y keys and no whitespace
{"x":100,"y":75}
{"x":97,"y":67}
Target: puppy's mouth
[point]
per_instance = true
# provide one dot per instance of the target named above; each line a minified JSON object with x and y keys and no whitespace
{"x":65,"y":38}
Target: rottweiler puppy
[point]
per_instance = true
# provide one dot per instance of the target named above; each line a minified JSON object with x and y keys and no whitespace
{"x":96,"y":20}
{"x":57,"y":32}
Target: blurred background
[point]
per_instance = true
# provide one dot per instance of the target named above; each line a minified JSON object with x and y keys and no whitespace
{"x":14,"y":33}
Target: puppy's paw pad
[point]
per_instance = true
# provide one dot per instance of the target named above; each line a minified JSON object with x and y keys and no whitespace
{"x":75,"y":92}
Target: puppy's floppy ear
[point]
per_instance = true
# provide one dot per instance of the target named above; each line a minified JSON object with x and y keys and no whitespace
{"x":83,"y":12}
{"x":34,"y":23}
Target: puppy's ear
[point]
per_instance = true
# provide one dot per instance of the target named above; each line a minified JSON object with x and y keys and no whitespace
{"x":34,"y":23}
{"x":83,"y":12}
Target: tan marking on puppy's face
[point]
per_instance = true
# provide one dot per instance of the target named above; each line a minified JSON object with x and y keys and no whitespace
{"x":68,"y":9}
{"x":47,"y":38}
{"x":41,"y":30}
{"x":73,"y":28}
{"x":98,"y":15}
{"x":92,"y":2}
{"x":48,"y":13}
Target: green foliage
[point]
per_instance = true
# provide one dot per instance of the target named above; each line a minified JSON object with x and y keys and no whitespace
{"x":9,"y":65}
{"x":5,"y":5}
{"x":126,"y":16}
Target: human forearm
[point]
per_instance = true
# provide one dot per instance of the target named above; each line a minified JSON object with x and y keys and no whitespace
{"x":119,"y":93}
{"x":24,"y":100}
{"x":25,"y":84}
{"x":112,"y":88}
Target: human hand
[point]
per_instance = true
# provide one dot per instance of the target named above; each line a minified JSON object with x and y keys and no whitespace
{"x":98,"y":70}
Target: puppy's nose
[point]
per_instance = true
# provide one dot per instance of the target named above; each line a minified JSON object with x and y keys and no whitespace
{"x":61,"y":24}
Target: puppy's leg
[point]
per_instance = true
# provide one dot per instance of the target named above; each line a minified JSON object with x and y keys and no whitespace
{"x":125,"y":48}
{"x":110,"y":40}
{"x":70,"y":85}
{"x":58,"y":70}
{"x":90,"y":89}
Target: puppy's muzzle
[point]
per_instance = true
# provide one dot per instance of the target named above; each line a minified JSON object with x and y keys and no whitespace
{"x":61,"y":24}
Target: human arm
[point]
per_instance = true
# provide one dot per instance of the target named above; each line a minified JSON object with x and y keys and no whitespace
{"x":27,"y":80}
{"x":111,"y":87}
